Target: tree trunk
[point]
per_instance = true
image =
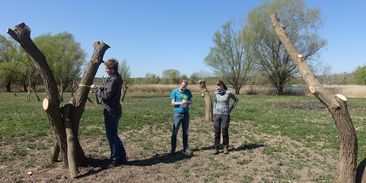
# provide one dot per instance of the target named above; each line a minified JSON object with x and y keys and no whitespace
{"x":237,"y":90}
{"x":62,"y":90}
{"x":336,"y":105}
{"x":25,"y":87}
{"x":208,"y":101}
{"x":279,"y":89}
{"x":124,"y":91}
{"x":65,"y":120}
{"x":8,"y":86}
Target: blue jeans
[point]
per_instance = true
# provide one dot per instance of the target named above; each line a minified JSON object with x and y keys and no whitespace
{"x":118,"y":153}
{"x":180,"y":118}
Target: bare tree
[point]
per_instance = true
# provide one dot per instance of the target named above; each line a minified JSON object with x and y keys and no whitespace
{"x":208,"y":101}
{"x":125,"y":72}
{"x":301,"y":24}
{"x":336,"y":105}
{"x":65,"y":120}
{"x":229,"y":58}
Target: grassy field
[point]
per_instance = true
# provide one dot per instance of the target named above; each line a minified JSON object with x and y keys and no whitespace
{"x":272,"y":139}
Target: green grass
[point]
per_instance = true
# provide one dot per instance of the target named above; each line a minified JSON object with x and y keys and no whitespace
{"x":23,"y":121}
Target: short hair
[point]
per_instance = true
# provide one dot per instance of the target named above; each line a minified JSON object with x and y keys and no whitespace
{"x":112,"y":64}
{"x":183,"y":81}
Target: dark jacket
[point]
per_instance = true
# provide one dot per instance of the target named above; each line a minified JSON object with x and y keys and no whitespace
{"x":111,"y":95}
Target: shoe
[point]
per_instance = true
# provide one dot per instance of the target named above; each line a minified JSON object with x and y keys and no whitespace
{"x":226,"y":150}
{"x":187,"y":152}
{"x":215,"y":152}
{"x":172,"y":153}
{"x":116,"y":163}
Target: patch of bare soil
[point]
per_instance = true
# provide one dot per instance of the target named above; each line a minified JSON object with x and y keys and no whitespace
{"x":253,"y":157}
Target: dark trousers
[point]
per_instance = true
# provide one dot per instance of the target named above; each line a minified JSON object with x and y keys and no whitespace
{"x":221,"y":124}
{"x":180,"y":118}
{"x":118,"y":153}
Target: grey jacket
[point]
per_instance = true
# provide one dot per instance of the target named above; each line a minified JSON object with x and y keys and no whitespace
{"x":111,"y":95}
{"x":222,"y":102}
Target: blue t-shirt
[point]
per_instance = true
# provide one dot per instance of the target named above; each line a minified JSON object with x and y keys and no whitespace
{"x":178,"y":96}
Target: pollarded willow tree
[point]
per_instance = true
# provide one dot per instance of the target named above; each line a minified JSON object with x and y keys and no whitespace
{"x":65,"y":119}
{"x":348,"y":171}
{"x":208,"y":101}
{"x":272,"y":59}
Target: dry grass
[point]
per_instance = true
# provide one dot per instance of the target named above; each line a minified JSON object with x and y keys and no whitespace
{"x":346,"y":90}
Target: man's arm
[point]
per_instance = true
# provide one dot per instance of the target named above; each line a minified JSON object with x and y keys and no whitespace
{"x":174,"y":103}
{"x":107,"y":92}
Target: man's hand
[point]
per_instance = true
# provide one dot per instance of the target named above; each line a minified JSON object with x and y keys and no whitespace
{"x":92,"y":87}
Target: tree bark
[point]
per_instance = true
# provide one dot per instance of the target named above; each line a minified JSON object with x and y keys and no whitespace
{"x":21,"y":34}
{"x":208,"y":101}
{"x":124,"y":91}
{"x":336,"y":105}
{"x":65,"y":120}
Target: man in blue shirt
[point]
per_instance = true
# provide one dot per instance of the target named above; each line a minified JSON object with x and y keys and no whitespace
{"x":181,"y":98}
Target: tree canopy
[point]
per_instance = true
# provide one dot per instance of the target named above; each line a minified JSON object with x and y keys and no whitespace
{"x":64,"y":55}
{"x":301,"y":24}
{"x":229,"y":57}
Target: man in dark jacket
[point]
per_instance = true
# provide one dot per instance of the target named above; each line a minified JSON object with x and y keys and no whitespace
{"x":112,"y":110}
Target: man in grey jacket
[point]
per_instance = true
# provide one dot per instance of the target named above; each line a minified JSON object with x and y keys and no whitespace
{"x":112,"y":111}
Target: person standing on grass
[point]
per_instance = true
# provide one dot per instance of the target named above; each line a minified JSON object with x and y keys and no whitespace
{"x":222,"y":115}
{"x":112,"y":111}
{"x":181,"y":99}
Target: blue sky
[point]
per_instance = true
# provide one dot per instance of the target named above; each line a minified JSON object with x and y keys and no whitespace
{"x":154,"y":35}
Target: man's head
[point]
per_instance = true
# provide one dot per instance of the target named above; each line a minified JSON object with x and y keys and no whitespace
{"x":183,"y":84}
{"x":111,"y":66}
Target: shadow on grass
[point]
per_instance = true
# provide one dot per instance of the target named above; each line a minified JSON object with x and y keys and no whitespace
{"x":159,"y":158}
{"x":98,"y":164}
{"x":245,"y":147}
{"x":242,"y":147}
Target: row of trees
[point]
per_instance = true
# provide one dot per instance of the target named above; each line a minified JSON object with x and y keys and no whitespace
{"x":64,"y":54}
{"x":254,"y":49}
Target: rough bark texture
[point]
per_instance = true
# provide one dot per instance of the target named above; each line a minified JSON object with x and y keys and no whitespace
{"x":208,"y":101}
{"x":64,"y":120}
{"x":336,"y":105}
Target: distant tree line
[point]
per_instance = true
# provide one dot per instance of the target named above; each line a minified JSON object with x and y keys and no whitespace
{"x":65,"y":58}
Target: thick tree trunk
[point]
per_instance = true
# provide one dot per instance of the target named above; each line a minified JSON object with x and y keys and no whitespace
{"x":208,"y":101}
{"x":65,"y":120}
{"x":336,"y":105}
{"x":21,"y":34}
{"x":279,"y":90}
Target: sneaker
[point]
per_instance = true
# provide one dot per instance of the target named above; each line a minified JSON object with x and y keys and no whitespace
{"x":226,"y":150}
{"x":187,"y":152}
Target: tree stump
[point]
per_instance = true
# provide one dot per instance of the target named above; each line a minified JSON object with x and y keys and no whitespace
{"x":208,"y":101}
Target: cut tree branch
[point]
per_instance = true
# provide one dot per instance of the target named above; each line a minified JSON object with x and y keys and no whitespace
{"x":336,"y":105}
